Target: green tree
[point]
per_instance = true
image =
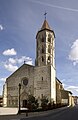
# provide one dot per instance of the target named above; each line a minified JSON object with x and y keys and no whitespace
{"x":32,"y":103}
{"x":44,"y":103}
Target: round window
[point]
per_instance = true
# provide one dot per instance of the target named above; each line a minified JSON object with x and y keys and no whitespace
{"x":25,"y":81}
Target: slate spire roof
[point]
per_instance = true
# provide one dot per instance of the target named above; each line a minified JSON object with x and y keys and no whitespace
{"x":45,"y":25}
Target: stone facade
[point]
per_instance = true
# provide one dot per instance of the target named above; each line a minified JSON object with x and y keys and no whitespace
{"x":63,"y":96}
{"x":38,"y":80}
{"x":23,"y":73}
{"x":1,"y":101}
{"x":59,"y":87}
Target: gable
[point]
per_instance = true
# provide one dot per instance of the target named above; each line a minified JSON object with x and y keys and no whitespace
{"x":22,"y":70}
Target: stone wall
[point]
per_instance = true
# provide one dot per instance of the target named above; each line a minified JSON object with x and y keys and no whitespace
{"x":24,"y":72}
{"x":42,"y":82}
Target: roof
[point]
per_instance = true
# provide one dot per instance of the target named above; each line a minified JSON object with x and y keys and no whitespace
{"x":45,"y":25}
{"x":23,"y":66}
{"x":58,"y":80}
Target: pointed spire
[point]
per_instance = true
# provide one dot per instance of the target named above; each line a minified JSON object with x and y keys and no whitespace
{"x":45,"y":24}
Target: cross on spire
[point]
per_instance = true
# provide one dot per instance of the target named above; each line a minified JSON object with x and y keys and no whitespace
{"x":24,"y":61}
{"x":45,"y":15}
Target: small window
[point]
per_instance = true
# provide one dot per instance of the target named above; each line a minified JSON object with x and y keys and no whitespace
{"x":42,"y":39}
{"x":42,"y":59}
{"x":42,"y":78}
{"x":48,"y":59}
{"x":42,"y":50}
{"x":49,"y":38}
{"x":49,"y":48}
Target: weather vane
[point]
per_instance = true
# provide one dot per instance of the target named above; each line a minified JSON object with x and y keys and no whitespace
{"x":45,"y":15}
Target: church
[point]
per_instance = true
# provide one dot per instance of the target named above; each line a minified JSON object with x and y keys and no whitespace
{"x":38,"y":80}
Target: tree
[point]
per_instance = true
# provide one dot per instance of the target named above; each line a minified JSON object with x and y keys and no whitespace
{"x":32,"y":103}
{"x":44,"y":103}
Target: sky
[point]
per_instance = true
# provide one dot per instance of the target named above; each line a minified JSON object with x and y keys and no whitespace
{"x":20,"y":21}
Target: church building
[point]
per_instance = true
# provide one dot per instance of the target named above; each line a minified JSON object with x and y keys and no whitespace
{"x":38,"y":80}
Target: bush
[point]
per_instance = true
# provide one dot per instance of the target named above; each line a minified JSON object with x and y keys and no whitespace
{"x":44,"y":103}
{"x":32,"y":103}
{"x":49,"y":106}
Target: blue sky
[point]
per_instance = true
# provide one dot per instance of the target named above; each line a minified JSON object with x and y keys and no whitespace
{"x":19,"y":22}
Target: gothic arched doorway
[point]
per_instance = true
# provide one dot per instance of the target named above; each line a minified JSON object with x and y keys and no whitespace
{"x":24,"y":98}
{"x":24,"y":103}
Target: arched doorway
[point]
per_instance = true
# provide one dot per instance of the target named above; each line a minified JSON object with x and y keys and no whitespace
{"x":24,"y":103}
{"x":24,"y":98}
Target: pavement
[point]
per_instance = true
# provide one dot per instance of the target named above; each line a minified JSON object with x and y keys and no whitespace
{"x":8,"y":111}
{"x":13,"y":114}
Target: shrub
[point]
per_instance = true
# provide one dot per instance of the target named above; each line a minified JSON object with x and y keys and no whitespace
{"x":44,"y":103}
{"x":32,"y":103}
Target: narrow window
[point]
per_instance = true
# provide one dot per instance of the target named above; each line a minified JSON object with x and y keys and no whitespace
{"x":42,"y":39}
{"x":42,"y":50}
{"x":42,"y":59}
{"x":48,"y":59}
{"x":49,"y":48}
{"x":42,"y":78}
{"x":49,"y":38}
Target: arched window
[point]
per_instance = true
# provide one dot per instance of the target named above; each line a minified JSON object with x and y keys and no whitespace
{"x":42,"y":49}
{"x":49,"y":37}
{"x":49,"y":48}
{"x":42,"y":78}
{"x":42,"y":59}
{"x":42,"y":39}
{"x":48,"y":59}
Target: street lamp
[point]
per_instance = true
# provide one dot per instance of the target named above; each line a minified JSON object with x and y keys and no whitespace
{"x":19,"y":98}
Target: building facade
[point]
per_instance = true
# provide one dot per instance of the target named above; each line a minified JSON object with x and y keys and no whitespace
{"x":63,"y":97}
{"x":59,"y":87}
{"x":1,"y":101}
{"x":38,"y":80}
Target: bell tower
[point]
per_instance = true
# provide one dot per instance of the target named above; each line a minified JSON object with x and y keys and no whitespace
{"x":45,"y":60}
{"x":45,"y":45}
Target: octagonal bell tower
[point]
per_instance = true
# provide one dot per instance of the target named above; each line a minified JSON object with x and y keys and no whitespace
{"x":45,"y":58}
{"x":45,"y":46}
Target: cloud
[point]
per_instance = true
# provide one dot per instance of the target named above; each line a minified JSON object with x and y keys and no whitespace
{"x":9,"y":52}
{"x":12,"y":60}
{"x":73,"y":54}
{"x":72,"y":88}
{"x":3,"y":79}
{"x":11,"y":67}
{"x":54,"y":6}
{"x":1,"y":28}
{"x":20,"y":60}
{"x":12,"y":63}
{"x":27,"y":60}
